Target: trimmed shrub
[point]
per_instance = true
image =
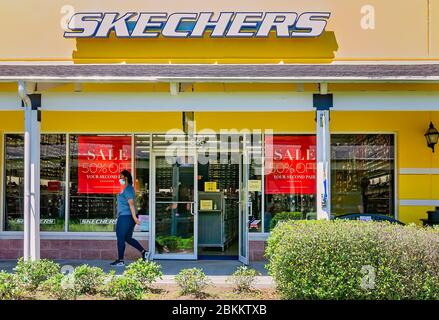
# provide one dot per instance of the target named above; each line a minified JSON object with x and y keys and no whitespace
{"x":144,"y":272}
{"x":192,"y":281}
{"x":10,"y":286}
{"x":87,"y":280}
{"x":124,"y":288}
{"x":243,"y":279}
{"x":60,"y":287}
{"x":33,"y":273}
{"x":354,"y":260}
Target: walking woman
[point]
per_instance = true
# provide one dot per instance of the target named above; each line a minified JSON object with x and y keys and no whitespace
{"x":126,"y":219}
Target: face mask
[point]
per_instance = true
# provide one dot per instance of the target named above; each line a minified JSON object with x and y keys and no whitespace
{"x":122,"y":181}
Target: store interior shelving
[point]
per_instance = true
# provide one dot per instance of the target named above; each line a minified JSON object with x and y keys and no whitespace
{"x":363,"y":174}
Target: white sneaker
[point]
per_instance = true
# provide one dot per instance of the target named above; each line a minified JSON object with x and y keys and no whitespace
{"x":146,"y":255}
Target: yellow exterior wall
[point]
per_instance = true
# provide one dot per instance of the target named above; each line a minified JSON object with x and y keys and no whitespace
{"x":135,"y":122}
{"x":404,"y":30}
{"x":277,"y":121}
{"x":435,"y":187}
{"x":11,"y":121}
{"x":8,"y":87}
{"x":411,"y":148}
{"x":95,"y":122}
{"x":434,"y":27}
{"x":409,"y":214}
{"x":409,"y":127}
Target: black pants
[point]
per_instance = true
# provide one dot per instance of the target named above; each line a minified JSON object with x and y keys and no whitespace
{"x":124,"y":232}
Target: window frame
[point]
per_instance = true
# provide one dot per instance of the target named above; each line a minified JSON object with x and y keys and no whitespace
{"x":140,"y":234}
{"x":395,"y":161}
{"x":57,"y":234}
{"x":279,"y":133}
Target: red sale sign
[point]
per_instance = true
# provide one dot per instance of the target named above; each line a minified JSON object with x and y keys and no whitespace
{"x":100,"y":161}
{"x":290,"y":163}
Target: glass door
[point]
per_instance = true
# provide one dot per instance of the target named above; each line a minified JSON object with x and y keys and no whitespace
{"x":245,"y":208}
{"x":174,"y":207}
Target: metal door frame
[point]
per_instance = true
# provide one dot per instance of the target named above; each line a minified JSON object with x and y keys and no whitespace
{"x":245,"y":204}
{"x":172,"y":256}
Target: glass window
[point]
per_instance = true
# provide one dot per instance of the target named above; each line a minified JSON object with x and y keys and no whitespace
{"x":255,"y":191}
{"x":254,"y":150}
{"x":53,"y":177}
{"x":52,"y":182}
{"x":95,"y":164}
{"x":14,"y":182}
{"x":362,"y":174}
{"x":290,"y":178}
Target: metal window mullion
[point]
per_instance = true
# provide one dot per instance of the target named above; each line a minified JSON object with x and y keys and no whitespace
{"x":133,"y":169}
{"x":67,"y":186}
{"x":195,"y":203}
{"x":395,"y":169}
{"x":241,"y":202}
{"x":150,"y":199}
{"x":263,"y":181}
{"x":3,"y":185}
{"x":151,"y":242}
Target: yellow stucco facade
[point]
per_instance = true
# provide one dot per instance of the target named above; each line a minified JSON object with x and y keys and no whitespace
{"x":409,"y":127}
{"x":387,"y":30}
{"x":403,"y":32}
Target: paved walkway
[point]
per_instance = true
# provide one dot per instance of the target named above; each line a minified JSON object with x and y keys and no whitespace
{"x":216,"y":270}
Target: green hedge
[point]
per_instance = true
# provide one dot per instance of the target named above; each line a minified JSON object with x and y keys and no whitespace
{"x":354,"y":260}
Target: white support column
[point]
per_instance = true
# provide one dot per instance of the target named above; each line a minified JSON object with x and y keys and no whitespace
{"x":35,"y":139}
{"x":31,"y":212}
{"x":323,"y":166}
{"x":323,"y":103}
{"x":27,"y":174}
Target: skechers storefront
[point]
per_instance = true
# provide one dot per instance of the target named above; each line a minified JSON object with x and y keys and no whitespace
{"x":224,"y":136}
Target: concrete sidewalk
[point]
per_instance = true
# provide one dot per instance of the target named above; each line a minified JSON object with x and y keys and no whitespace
{"x":216,"y":270}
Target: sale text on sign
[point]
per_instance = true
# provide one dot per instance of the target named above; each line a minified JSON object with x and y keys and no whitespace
{"x":100,"y":161}
{"x":290,"y":165}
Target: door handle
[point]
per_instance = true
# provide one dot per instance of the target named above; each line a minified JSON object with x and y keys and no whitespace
{"x":250,"y":208}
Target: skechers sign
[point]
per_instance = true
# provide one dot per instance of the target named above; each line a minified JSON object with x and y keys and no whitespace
{"x":195,"y":25}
